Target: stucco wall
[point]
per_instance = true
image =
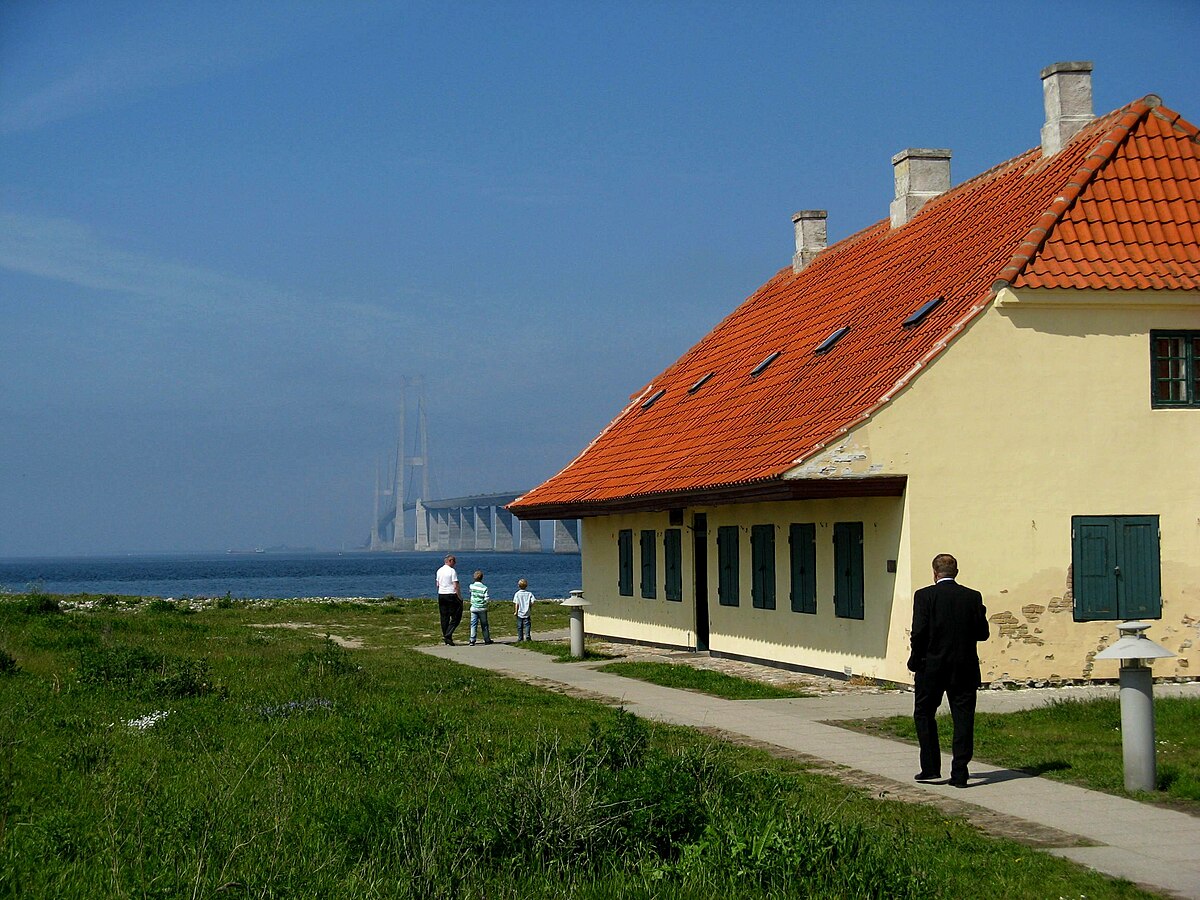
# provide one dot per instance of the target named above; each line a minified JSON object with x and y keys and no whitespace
{"x":1040,"y":411}
{"x":820,"y":640}
{"x":633,"y":618}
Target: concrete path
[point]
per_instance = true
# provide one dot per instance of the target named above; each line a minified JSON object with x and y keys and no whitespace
{"x":1155,"y":847}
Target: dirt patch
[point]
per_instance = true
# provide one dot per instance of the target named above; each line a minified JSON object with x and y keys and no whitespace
{"x":349,"y":643}
{"x":567,"y":690}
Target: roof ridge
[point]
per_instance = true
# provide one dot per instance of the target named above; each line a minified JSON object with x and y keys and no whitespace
{"x":884,"y":223}
{"x":1176,"y":121}
{"x":1129,"y":116}
{"x":726,"y":441}
{"x":1100,"y":155}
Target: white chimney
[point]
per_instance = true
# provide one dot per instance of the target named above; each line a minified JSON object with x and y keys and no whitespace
{"x":811,"y":237}
{"x":921,"y":174}
{"x":1067,"y":92}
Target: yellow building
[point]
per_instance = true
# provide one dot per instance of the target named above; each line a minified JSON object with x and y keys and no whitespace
{"x":1007,"y":370}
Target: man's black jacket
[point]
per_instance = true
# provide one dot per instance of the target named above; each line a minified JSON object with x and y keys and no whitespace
{"x":948,"y":621}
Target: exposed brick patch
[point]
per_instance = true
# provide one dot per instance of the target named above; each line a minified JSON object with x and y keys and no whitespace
{"x":1009,"y":626}
{"x":1060,"y":605}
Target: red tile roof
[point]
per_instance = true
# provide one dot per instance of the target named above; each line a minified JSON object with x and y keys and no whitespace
{"x":1118,"y":207}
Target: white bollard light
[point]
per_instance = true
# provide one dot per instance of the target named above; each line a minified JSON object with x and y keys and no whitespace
{"x":576,"y":605}
{"x":1133,"y":649}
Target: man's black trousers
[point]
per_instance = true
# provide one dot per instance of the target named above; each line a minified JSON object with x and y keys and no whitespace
{"x":927,"y":699}
{"x":450,"y":609}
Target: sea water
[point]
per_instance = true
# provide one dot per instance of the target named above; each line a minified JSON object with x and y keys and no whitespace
{"x":283,"y":575}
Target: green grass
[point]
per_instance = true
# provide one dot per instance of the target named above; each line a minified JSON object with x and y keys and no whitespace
{"x":705,"y":681}
{"x":1079,"y":741}
{"x":561,"y":650}
{"x":154,"y":750}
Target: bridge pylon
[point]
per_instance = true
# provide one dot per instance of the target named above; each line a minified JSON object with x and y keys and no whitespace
{"x":388,"y":524}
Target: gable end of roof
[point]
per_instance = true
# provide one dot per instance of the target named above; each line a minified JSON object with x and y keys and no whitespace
{"x":1106,"y":147}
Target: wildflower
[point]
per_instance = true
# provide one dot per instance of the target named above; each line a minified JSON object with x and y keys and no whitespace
{"x":148,"y":721}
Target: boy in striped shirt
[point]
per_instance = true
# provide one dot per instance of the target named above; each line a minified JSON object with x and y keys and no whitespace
{"x":479,"y":608}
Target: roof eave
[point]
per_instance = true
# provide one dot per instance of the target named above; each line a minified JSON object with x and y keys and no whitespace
{"x":771,"y":490}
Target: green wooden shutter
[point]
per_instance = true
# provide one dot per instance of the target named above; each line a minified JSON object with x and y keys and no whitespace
{"x":1093,"y":567}
{"x":1139,"y":589}
{"x":802,"y":539}
{"x":1115,"y":567}
{"x":673,"y":563}
{"x":649,"y":568}
{"x":625,"y":562}
{"x":762,"y":561}
{"x":727,"y":565}
{"x":848,"y":569}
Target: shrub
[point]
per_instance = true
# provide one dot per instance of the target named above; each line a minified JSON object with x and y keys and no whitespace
{"x":184,"y":678}
{"x":331,"y":661}
{"x":588,"y":807}
{"x":8,"y":663}
{"x":115,"y":665}
{"x":38,"y":603}
{"x":802,"y":854}
{"x":145,"y":673}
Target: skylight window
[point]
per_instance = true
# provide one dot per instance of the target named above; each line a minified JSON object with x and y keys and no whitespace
{"x":925,"y":309}
{"x":827,"y":344}
{"x":762,"y":366}
{"x":649,"y":402}
{"x":699,"y":384}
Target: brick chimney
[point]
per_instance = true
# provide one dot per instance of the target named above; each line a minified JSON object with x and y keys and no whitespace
{"x":811,"y":237}
{"x":921,"y":174}
{"x":1067,"y":93}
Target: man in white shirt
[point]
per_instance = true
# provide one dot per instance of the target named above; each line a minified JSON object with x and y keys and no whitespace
{"x":450,"y":604}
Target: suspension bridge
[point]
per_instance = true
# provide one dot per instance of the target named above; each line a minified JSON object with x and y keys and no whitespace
{"x":478,"y":522}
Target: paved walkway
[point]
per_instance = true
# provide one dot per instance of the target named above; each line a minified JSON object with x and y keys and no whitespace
{"x":1152,"y":846}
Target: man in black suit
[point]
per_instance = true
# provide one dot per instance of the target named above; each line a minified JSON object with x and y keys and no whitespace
{"x":948,"y":621}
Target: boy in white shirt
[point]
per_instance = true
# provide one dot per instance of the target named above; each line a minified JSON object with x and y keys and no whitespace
{"x":522,"y":601}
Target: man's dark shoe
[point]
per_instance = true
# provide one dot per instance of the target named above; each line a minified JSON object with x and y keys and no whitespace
{"x":927,"y":776}
{"x":959,"y":781}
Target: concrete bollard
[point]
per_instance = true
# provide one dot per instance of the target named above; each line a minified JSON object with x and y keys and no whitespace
{"x":1137,"y":703}
{"x":576,"y":605}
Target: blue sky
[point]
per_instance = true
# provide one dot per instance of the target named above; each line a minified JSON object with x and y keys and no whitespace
{"x":228,"y":230}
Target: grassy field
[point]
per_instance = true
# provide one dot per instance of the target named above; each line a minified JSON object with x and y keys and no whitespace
{"x":1080,"y":742}
{"x":561,"y":651}
{"x":705,"y":681}
{"x":149,"y":749}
